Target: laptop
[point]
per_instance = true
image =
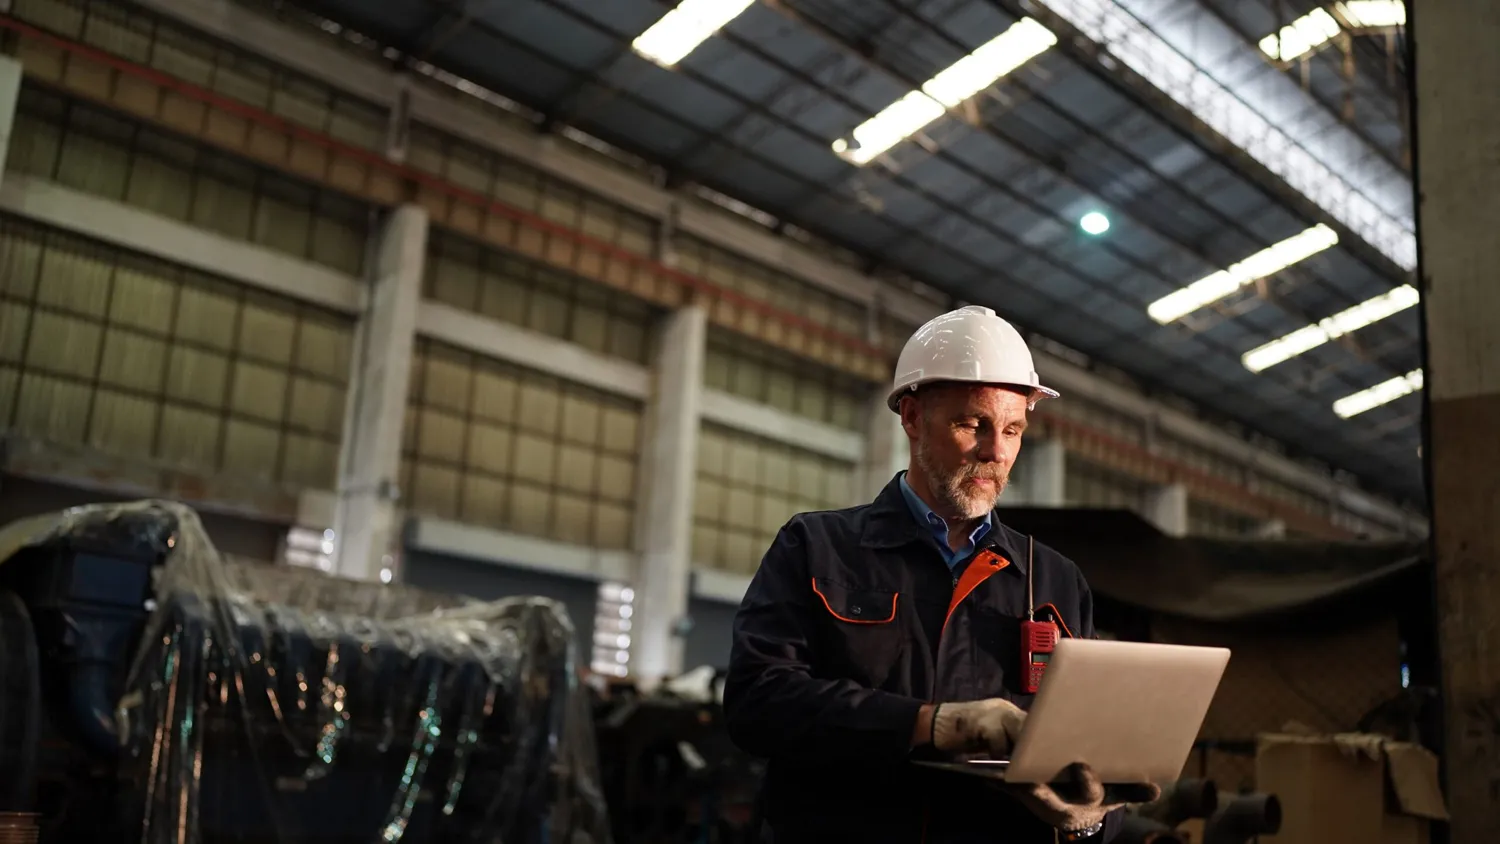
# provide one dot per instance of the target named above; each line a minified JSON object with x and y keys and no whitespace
{"x":1130,"y":710}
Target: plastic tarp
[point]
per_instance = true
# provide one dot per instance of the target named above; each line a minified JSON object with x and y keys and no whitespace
{"x":272,"y":703}
{"x":1127,"y":560}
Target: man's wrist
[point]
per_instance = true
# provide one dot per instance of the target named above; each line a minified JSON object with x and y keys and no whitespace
{"x":921,"y":730}
{"x":1084,"y":834}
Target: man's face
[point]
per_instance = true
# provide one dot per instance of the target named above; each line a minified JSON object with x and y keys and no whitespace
{"x":964,"y":440}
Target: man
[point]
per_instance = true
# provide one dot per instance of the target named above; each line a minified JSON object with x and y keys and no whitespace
{"x":890,"y":631}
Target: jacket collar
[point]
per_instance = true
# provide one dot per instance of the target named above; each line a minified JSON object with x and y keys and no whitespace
{"x":889,"y":523}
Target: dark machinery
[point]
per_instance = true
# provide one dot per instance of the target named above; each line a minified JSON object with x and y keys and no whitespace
{"x":1228,"y":818}
{"x":670,"y":772}
{"x":1242,"y":817}
{"x":1156,"y":822}
{"x":76,"y":601}
{"x":179,"y":698}
{"x":1181,"y":801}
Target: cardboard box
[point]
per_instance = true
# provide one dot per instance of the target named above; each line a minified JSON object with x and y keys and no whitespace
{"x":1349,"y":787}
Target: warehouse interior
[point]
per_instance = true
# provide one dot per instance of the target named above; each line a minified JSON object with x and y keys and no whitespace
{"x":573,"y":305}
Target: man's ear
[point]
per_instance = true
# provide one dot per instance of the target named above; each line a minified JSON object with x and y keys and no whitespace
{"x":910,"y":408}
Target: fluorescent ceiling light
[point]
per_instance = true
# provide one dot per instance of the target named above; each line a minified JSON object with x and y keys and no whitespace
{"x":1269,"y":261}
{"x":1304,"y":339}
{"x":1382,"y":393}
{"x":681,"y":30}
{"x":1318,"y":27}
{"x":950,"y":88}
{"x":1301,"y":36}
{"x":1373,"y":14}
{"x":1094,"y":223}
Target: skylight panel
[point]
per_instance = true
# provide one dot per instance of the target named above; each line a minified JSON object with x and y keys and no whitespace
{"x":1301,"y":36}
{"x":1313,"y":167}
{"x":1373,"y":14}
{"x":1310,"y":337}
{"x":680,"y":31}
{"x":1267,"y":262}
{"x":1318,"y":27}
{"x":1383,"y":393}
{"x":1024,"y":40}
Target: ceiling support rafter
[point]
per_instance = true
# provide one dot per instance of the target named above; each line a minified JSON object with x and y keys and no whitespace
{"x":1197,"y":365}
{"x":868,"y":56}
{"x":1139,"y":90}
{"x":1351,"y":343}
{"x":987,"y":273}
{"x":1041,"y":97}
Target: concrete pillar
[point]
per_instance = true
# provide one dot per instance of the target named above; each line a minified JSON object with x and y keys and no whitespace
{"x":1167,"y":508}
{"x":664,"y":528}
{"x":1458,"y":194}
{"x":887,"y":450}
{"x":10,"y":92}
{"x":367,"y":522}
{"x":1043,"y":469}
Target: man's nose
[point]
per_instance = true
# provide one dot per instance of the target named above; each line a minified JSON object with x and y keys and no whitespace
{"x":993,"y":448}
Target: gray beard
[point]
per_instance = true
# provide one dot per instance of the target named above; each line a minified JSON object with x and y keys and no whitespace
{"x":949,"y":488}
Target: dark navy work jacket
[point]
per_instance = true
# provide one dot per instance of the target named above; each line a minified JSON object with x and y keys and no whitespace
{"x":852,"y":622}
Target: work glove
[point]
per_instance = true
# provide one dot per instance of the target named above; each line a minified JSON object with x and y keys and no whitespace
{"x":978,"y":726}
{"x":1079,"y":802}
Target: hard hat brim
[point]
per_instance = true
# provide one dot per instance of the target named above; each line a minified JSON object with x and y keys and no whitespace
{"x":1035,"y":392}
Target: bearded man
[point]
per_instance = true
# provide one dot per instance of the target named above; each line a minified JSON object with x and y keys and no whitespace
{"x":890,"y":631}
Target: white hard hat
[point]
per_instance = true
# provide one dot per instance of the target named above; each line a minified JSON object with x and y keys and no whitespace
{"x":970,"y":345}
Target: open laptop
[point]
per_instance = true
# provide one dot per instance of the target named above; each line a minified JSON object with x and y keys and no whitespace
{"x":1130,"y":710}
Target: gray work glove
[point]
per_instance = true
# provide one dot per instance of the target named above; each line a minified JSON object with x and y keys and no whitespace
{"x":1079,"y":801}
{"x":977,"y":726}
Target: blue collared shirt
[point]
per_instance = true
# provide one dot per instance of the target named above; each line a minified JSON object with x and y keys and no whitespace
{"x":939,"y":528}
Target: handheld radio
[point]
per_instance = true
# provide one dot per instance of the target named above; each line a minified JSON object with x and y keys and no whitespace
{"x":1038,"y":638}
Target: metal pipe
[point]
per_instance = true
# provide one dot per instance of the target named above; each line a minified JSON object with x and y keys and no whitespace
{"x":1242,"y":818}
{"x":1182,"y":800}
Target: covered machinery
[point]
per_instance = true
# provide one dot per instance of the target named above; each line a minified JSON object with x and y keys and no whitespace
{"x":155,"y":692}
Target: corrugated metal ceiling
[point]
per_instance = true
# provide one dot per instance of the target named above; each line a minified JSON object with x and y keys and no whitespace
{"x":983,"y":209}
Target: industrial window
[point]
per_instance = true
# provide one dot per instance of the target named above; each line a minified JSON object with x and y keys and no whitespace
{"x":489,"y":174}
{"x":1234,"y":473}
{"x":791,"y":295}
{"x":1207,"y":520}
{"x":491,"y":283}
{"x":1204,"y":461}
{"x":490,"y":443}
{"x":744,"y":368}
{"x":1298,"y":498}
{"x":1087,"y":484}
{"x":893,"y":333}
{"x":91,"y":150}
{"x":139,"y":358}
{"x":1097,"y":418}
{"x":163,"y":45}
{"x":747,"y":488}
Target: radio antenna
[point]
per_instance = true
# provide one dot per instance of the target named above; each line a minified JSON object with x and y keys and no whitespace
{"x":1030,"y":573}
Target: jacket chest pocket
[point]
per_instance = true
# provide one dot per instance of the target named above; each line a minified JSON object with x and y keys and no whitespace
{"x":863,"y":636}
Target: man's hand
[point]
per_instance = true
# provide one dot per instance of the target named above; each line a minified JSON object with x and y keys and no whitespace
{"x":1080,"y":802}
{"x":979,"y":726}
